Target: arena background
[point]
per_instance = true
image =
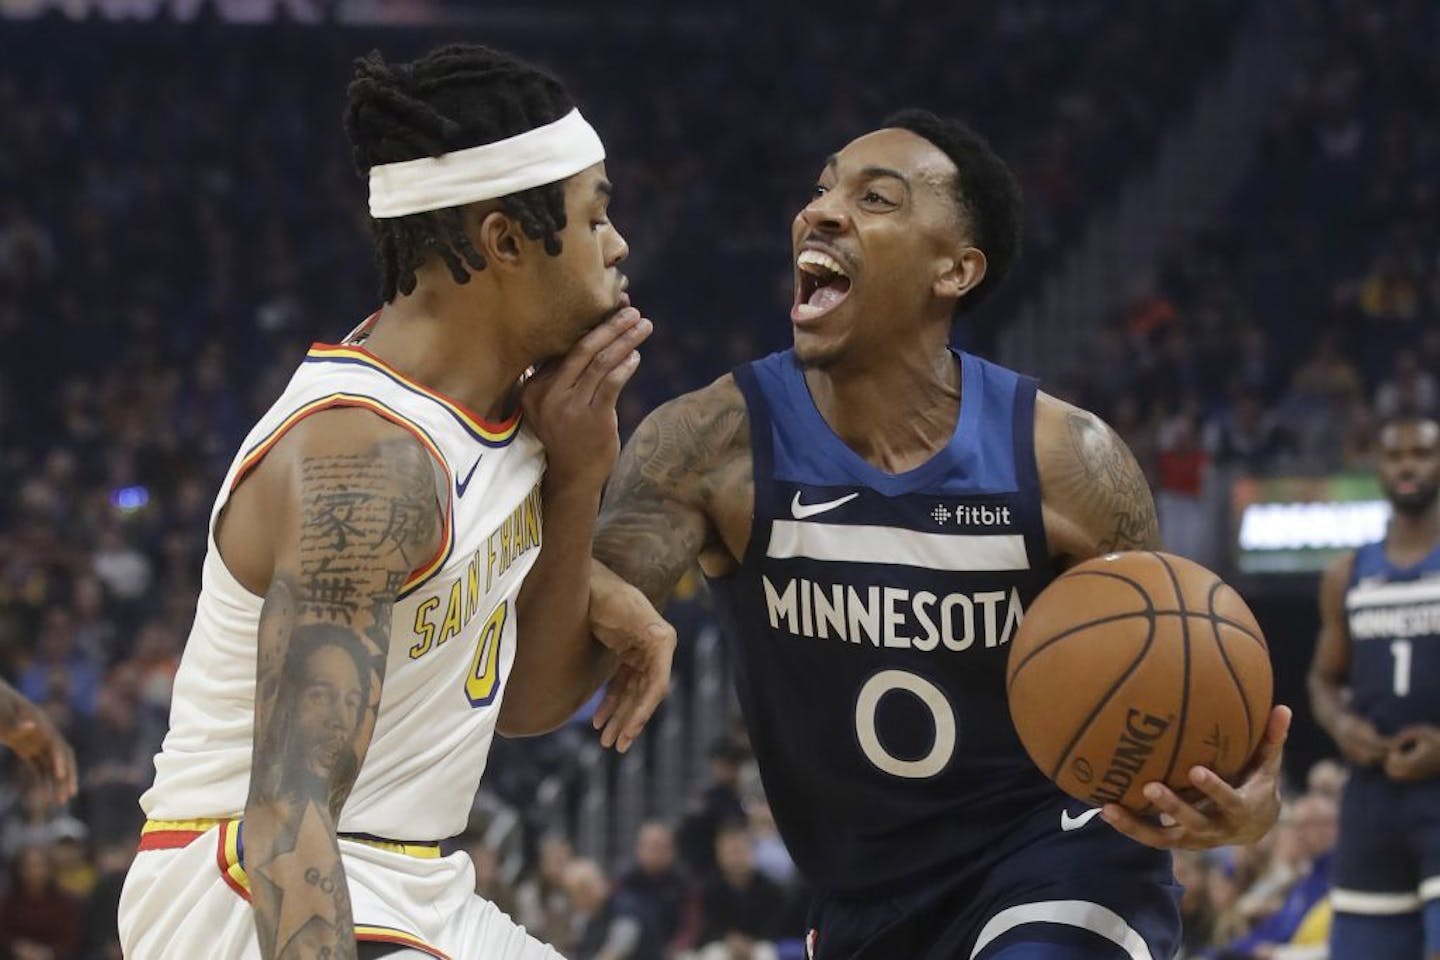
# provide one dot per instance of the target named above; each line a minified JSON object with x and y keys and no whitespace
{"x":1232,"y":253}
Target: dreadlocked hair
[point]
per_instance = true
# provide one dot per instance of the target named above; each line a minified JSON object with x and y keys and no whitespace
{"x":457,"y":96}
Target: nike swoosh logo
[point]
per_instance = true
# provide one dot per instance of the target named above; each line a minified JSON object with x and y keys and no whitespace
{"x":1068,"y":823}
{"x":460,"y":485}
{"x":802,"y":510}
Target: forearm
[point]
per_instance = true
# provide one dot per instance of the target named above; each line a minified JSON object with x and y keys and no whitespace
{"x":558,"y":663}
{"x":1327,"y":703}
{"x":302,"y":904}
{"x":12,"y":708}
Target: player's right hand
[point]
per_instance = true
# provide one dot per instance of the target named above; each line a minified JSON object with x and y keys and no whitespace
{"x":30,"y":733}
{"x":570,"y":402}
{"x":1360,"y":742}
{"x":643,"y":643}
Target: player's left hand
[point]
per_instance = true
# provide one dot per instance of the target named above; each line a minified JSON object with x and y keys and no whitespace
{"x":27,"y":729}
{"x":1228,"y":815}
{"x":1415,"y":754}
{"x":643,"y":642}
{"x":570,"y":402}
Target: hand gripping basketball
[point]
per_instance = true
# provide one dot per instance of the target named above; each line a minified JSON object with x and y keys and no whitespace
{"x":1140,"y":681}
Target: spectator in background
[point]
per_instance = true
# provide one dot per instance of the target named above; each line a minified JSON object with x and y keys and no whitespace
{"x":1181,"y":464}
{"x":719,"y":803}
{"x":1197,"y":909}
{"x":38,"y":920}
{"x":1245,"y":435}
{"x":489,"y":878}
{"x":102,"y":935}
{"x":1327,"y":779}
{"x":741,"y":907}
{"x":771,"y":856}
{"x":59,"y":661}
{"x":70,"y":858}
{"x":655,"y":885}
{"x":1409,"y":389}
{"x":606,"y":926}
{"x":116,"y":749}
{"x":542,"y":905}
{"x":1315,"y":824}
{"x":156,"y":658}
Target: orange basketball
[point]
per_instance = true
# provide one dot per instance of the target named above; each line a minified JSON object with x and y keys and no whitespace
{"x":1135,"y":667}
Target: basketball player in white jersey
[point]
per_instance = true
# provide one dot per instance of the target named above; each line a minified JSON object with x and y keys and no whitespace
{"x":375,"y":603}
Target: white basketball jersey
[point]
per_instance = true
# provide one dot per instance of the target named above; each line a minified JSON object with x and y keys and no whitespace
{"x":452,"y":639}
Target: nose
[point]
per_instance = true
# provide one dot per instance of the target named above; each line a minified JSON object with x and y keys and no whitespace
{"x":826,"y":214}
{"x":619,"y":250}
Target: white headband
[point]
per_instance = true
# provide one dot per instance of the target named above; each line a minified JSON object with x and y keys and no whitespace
{"x":536,"y":157}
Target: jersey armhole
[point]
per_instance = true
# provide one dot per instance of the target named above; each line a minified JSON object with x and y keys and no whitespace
{"x":335,"y":401}
{"x":1027,"y":472}
{"x":762,"y":460}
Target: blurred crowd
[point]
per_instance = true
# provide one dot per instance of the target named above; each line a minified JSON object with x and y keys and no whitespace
{"x":1310,"y":310}
{"x":179,"y":218}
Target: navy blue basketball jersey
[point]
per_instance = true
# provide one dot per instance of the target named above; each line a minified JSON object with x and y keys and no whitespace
{"x":1394,"y":620}
{"x":871,"y":619}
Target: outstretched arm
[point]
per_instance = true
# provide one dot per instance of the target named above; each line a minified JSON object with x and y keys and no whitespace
{"x":1097,"y":501}
{"x":357,"y":511}
{"x":684,"y":474}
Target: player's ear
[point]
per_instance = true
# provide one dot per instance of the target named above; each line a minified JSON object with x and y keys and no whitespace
{"x":499,"y":239}
{"x":960,"y":273}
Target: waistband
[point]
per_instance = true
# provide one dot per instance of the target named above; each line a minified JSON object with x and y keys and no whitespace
{"x":172,"y":834}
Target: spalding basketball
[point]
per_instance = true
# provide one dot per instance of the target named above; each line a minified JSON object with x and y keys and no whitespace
{"x":1135,"y":667}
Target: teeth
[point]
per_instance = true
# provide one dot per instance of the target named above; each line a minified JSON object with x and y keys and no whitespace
{"x":814,"y":258}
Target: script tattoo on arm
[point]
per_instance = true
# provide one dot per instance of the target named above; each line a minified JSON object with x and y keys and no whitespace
{"x":366,"y":520}
{"x":1093,"y":480}
{"x":656,"y":518}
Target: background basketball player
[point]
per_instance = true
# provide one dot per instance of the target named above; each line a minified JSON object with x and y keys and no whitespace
{"x":1375,"y":687}
{"x":357,"y":629}
{"x":875,"y":512}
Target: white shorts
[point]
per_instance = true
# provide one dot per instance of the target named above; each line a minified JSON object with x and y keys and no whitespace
{"x":194,"y":901}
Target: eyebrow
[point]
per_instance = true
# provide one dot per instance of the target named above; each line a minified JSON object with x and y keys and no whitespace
{"x":605,"y":188}
{"x":870,"y":173}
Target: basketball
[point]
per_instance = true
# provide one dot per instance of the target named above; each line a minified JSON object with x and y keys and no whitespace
{"x":1133,"y":668}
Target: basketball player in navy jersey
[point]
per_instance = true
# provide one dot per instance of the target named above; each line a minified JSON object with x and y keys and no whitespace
{"x":875,"y":512}
{"x":1375,"y":687}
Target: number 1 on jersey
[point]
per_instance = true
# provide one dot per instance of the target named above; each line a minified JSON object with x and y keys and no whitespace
{"x":483,"y":680}
{"x":1401,"y":650}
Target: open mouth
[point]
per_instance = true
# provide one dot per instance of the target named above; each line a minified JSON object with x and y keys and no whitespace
{"x":823,"y":286}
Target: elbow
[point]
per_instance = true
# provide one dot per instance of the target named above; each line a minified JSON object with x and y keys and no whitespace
{"x":518,"y":719}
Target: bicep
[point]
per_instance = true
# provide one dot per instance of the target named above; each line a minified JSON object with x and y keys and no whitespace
{"x":1096,"y":497}
{"x":650,"y":529}
{"x":656,"y":516}
{"x":355,"y":523}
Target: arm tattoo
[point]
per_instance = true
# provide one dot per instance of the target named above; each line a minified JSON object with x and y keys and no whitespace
{"x":324,"y":634}
{"x":1104,"y":488}
{"x":656,"y":517}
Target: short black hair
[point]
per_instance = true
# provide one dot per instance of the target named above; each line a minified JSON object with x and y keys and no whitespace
{"x":986,"y":192}
{"x":456,"y":96}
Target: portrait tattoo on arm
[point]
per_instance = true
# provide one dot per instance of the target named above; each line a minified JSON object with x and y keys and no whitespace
{"x":366,"y":521}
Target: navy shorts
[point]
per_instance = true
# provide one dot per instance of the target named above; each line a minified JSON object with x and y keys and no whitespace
{"x":1088,"y":892}
{"x":1387,"y":861}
